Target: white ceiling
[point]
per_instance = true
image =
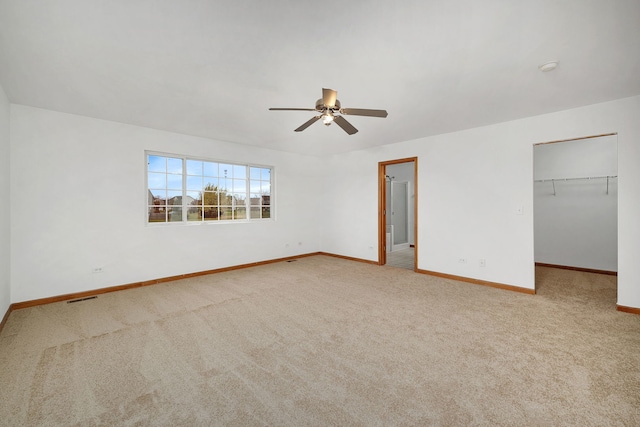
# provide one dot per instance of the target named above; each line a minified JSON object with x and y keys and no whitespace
{"x":213,"y":68}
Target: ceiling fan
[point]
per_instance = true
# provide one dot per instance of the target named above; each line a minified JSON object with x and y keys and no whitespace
{"x":330,"y":111}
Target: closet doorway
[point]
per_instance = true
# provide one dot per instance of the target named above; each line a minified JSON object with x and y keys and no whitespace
{"x":575,"y":216}
{"x":397,"y":213}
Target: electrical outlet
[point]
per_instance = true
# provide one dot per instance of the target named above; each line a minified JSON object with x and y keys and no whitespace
{"x":462,"y":260}
{"x":96,"y":270}
{"x":483,"y":262}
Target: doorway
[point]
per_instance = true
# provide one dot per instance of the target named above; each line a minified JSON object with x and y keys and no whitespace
{"x":398,"y":213}
{"x":575,"y":217}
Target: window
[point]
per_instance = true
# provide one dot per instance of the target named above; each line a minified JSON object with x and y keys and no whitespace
{"x":181,"y":189}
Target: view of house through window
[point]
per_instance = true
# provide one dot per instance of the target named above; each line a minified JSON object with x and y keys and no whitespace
{"x":181,"y":189}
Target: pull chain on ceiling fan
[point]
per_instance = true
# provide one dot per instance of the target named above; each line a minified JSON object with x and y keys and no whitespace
{"x":331,"y":111}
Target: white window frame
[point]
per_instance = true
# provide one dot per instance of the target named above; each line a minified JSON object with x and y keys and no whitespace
{"x":184,"y":206}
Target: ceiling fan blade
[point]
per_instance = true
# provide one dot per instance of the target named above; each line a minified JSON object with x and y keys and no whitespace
{"x":345,"y":125}
{"x":329,"y":97}
{"x":308,"y":123}
{"x":292,"y":109}
{"x":364,"y":112}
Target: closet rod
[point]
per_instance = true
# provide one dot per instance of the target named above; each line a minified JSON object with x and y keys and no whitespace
{"x":553,"y":180}
{"x":574,"y":179}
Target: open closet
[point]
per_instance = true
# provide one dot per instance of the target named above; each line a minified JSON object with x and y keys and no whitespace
{"x":576,"y":203}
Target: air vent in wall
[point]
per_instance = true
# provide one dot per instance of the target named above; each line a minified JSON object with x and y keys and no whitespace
{"x":81,"y":299}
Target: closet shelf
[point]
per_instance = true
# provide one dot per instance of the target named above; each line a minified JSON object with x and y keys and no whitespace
{"x":574,"y":179}
{"x":553,"y":180}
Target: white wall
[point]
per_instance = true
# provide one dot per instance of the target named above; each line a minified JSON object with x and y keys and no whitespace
{"x":87,"y":177}
{"x":470,"y":187}
{"x":577,"y":226}
{"x":5,"y":224}
{"x":78,"y":201}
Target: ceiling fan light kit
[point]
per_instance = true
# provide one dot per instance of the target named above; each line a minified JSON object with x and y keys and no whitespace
{"x":327,"y":118}
{"x":331,"y":111}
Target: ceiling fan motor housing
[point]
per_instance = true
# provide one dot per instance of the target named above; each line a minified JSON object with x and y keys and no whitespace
{"x":321,"y":107}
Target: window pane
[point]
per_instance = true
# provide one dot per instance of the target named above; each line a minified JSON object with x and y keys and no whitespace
{"x":255,"y":187}
{"x":194,"y":198}
{"x":239,"y":185}
{"x":266,"y":212}
{"x":175,"y":214}
{"x":174,"y":165}
{"x":225,"y":213}
{"x":194,"y":183}
{"x":194,"y":167}
{"x":174,"y":181}
{"x":157,"y":214}
{"x":158,"y":197}
{"x":225,"y":183}
{"x":174,"y":197}
{"x":225,"y":198}
{"x":210,"y":169}
{"x":157,"y":180}
{"x":266,"y":200}
{"x":194,"y":214}
{"x":239,"y":171}
{"x":225,"y":170}
{"x":210,"y":198}
{"x":211,"y":183}
{"x":255,"y":212}
{"x":240,"y":213}
{"x":266,"y":174}
{"x":156,"y":164}
{"x":211,"y":213}
{"x":255,"y":199}
{"x":239,"y":198}
{"x":254,"y":173}
{"x":266,"y":188}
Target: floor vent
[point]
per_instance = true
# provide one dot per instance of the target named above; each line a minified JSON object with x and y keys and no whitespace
{"x":81,"y":299}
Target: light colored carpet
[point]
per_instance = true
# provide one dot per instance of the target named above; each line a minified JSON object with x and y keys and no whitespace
{"x":325,"y":341}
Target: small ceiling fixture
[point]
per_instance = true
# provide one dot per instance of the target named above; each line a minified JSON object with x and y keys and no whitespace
{"x":551,"y":65}
{"x":327,"y":118}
